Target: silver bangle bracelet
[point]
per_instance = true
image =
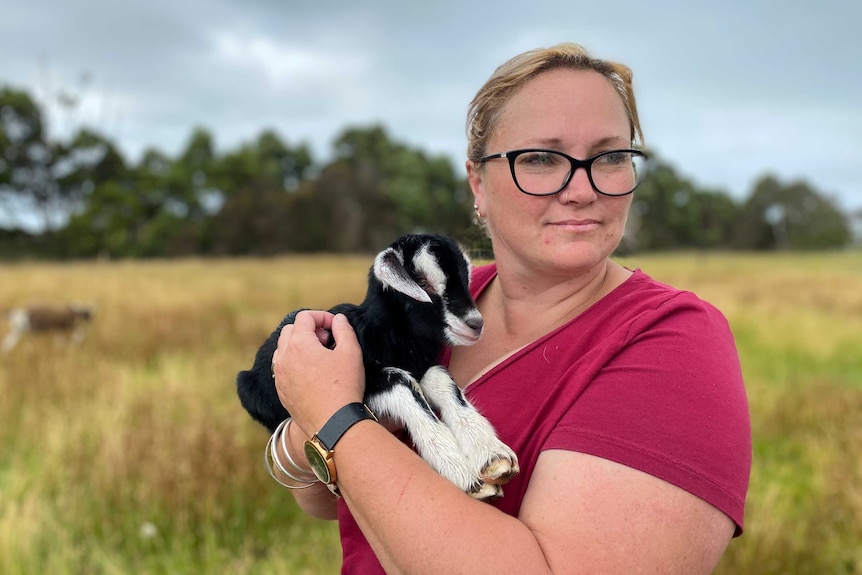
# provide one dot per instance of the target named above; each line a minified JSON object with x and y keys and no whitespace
{"x":308,"y":478}
{"x":267,"y":461}
{"x":270,"y":456}
{"x":309,"y":475}
{"x":275,"y":457}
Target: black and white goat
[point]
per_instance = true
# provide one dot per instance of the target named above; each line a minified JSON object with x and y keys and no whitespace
{"x":60,"y":319}
{"x":418,"y":300}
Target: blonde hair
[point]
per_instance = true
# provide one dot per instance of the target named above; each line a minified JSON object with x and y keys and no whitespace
{"x":484,"y":112}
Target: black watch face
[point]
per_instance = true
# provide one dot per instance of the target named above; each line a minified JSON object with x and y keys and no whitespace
{"x":317,"y":462}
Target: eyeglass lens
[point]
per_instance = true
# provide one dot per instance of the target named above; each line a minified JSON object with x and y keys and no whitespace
{"x":545,"y":172}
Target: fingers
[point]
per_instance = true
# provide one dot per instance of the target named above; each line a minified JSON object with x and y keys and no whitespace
{"x":312,"y":380}
{"x":307,"y":323}
{"x":312,"y":319}
{"x":319,"y":323}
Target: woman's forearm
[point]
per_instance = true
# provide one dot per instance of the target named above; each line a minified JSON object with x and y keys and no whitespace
{"x":418,"y":522}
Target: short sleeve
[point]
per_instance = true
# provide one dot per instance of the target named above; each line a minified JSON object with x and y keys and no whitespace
{"x":671,"y":403}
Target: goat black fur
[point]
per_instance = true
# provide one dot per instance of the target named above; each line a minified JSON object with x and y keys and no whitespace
{"x":418,"y":301}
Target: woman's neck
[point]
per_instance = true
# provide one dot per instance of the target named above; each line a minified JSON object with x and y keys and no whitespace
{"x":520,"y":311}
{"x":531,"y":305}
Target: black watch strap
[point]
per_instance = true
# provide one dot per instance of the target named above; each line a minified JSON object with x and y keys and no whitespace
{"x":341,"y":421}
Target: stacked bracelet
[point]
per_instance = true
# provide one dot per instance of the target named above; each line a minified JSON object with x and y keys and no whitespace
{"x":309,"y":477}
{"x":270,"y":456}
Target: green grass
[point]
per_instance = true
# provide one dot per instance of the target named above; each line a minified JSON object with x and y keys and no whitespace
{"x":129,"y":453}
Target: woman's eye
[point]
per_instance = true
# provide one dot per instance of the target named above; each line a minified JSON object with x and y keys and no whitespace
{"x":614,"y":158}
{"x":539,"y":159}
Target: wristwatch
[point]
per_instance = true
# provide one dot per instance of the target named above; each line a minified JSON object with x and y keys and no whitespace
{"x":319,"y":449}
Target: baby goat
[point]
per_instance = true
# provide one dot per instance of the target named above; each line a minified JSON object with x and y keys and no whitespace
{"x":418,"y":300}
{"x":45,"y":318}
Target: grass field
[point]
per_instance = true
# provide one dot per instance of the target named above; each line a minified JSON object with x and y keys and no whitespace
{"x":129,"y":453}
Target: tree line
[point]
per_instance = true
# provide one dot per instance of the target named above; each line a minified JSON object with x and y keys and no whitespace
{"x":269,"y":197}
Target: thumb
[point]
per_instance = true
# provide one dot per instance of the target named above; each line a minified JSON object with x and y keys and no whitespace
{"x":343,"y":332}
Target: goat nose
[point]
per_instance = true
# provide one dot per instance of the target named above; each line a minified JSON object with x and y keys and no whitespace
{"x":475,"y":323}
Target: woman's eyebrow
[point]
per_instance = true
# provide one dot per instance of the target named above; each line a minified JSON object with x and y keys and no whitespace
{"x":611,"y":140}
{"x":559,"y":144}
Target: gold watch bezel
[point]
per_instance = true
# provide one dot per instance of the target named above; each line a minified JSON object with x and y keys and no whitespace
{"x":320,"y":449}
{"x":320,"y":460}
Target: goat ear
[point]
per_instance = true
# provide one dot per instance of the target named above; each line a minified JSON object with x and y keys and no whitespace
{"x":389,"y":269}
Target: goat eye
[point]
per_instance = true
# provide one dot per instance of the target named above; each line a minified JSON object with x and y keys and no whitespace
{"x":427,"y":285}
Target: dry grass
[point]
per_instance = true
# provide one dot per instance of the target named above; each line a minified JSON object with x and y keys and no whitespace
{"x":129,"y":453}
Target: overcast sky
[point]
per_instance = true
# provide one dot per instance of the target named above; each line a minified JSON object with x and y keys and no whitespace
{"x":727,"y":90}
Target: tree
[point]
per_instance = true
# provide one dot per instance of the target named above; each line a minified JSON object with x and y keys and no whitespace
{"x":51,"y":179}
{"x":191,"y":198}
{"x":26,"y":160}
{"x":259,"y":187}
{"x":94,"y":172}
{"x":379,"y":189}
{"x":792,"y":216}
{"x":349,"y":209}
{"x":268,"y":158}
{"x":253,"y":220}
{"x":856,"y":226}
{"x":670,"y":212}
{"x":153,"y":209}
{"x":267,"y":197}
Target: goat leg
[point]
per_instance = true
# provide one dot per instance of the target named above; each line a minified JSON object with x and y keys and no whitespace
{"x":493,"y":461}
{"x":403,"y":401}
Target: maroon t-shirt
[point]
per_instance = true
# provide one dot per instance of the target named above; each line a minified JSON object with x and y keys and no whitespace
{"x":649,"y":377}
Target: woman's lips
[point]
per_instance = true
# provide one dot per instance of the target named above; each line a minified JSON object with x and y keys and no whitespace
{"x":577,"y":225}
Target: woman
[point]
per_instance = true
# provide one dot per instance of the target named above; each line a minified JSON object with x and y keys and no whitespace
{"x":622,"y":397}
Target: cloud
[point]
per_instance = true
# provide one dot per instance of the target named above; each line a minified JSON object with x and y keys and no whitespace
{"x":726,"y":90}
{"x":284,"y":66}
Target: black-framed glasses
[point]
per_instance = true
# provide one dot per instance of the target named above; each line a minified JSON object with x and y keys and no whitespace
{"x":540,"y":172}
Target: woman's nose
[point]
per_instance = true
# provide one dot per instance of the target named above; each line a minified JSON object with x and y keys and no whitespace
{"x":579,"y":189}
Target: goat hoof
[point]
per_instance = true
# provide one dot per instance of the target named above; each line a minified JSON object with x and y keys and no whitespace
{"x":486,"y":491}
{"x":500,"y":471}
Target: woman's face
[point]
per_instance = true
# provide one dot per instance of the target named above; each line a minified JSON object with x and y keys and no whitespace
{"x":573,"y":111}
